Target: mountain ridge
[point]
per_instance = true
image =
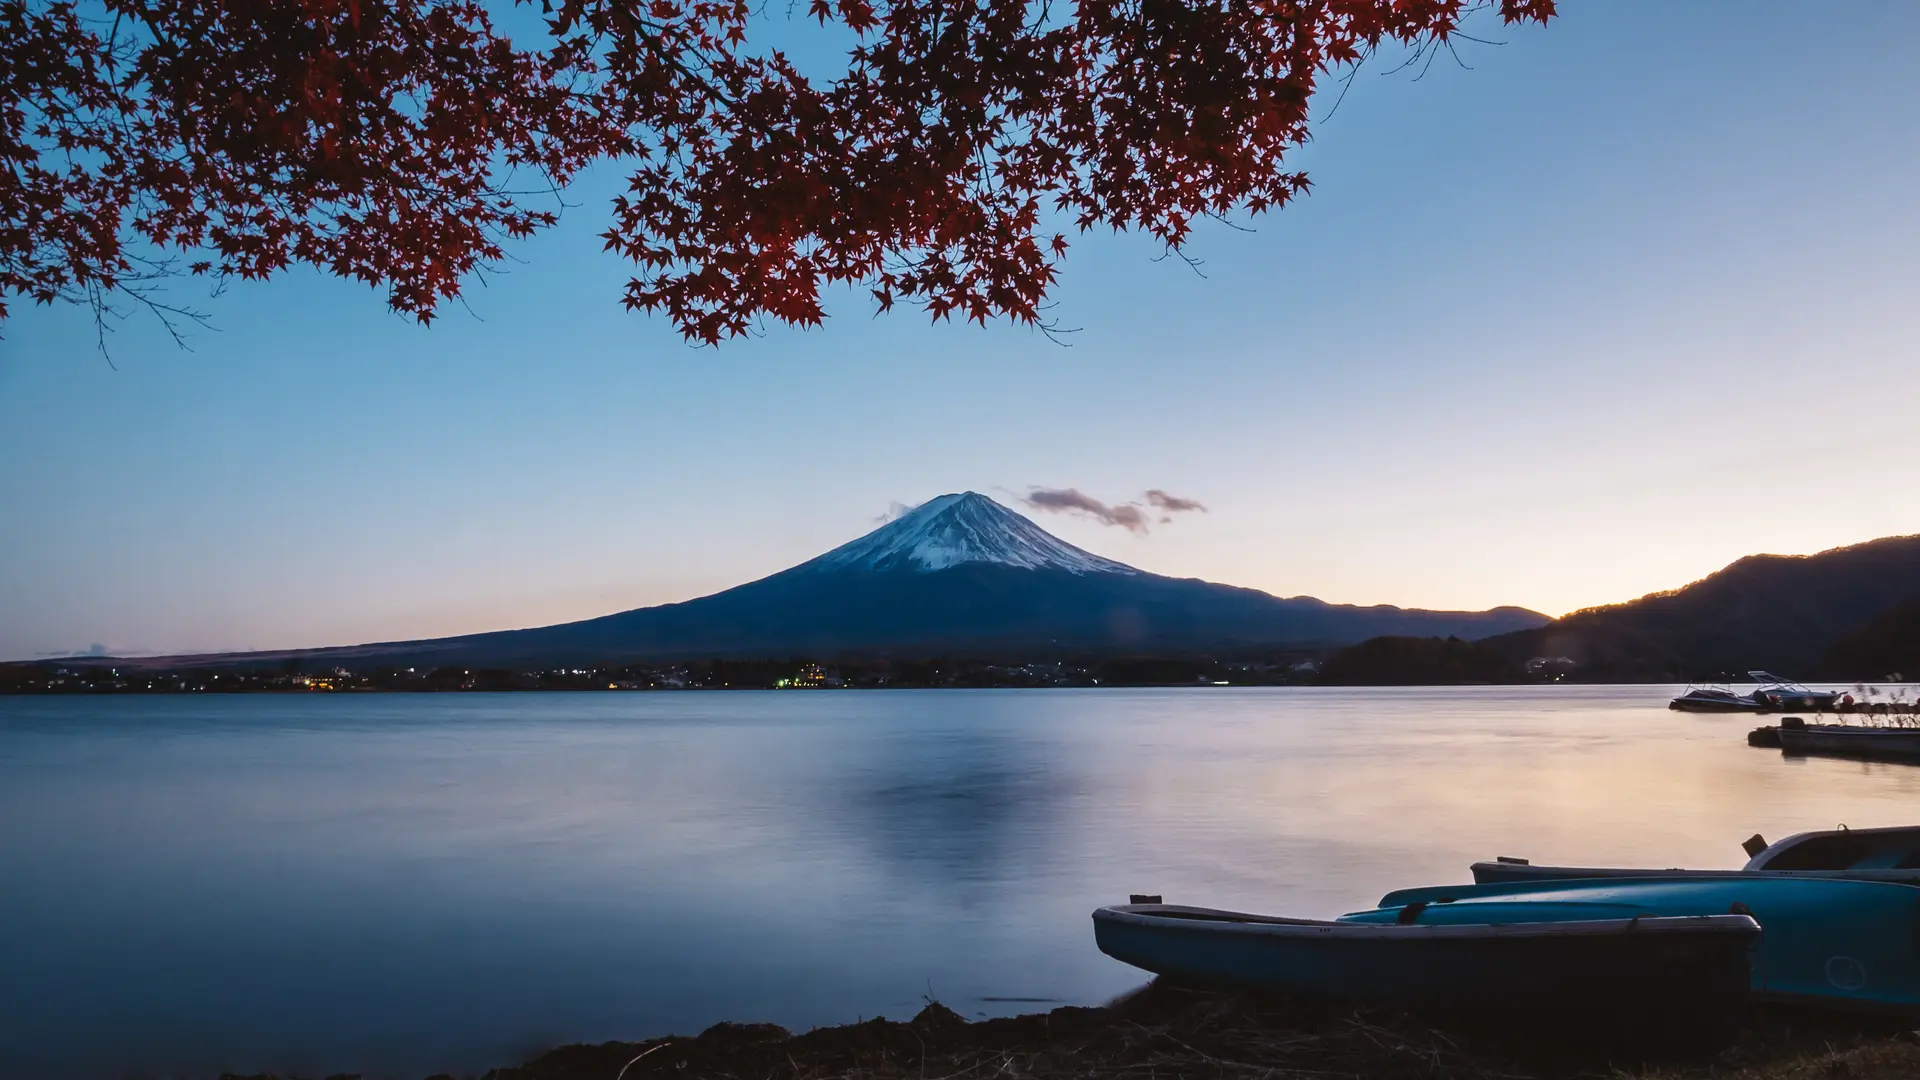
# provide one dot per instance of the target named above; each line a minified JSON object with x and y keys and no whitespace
{"x":1773,"y":612}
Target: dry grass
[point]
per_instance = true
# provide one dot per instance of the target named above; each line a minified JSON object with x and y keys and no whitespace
{"x":1887,"y":1059}
{"x":1167,"y":1034}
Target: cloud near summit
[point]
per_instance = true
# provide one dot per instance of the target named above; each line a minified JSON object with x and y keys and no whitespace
{"x":1132,"y":516}
{"x":1173,"y":504}
{"x":895,"y":509}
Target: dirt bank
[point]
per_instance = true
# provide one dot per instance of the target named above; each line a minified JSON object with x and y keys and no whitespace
{"x":1170,"y":1034}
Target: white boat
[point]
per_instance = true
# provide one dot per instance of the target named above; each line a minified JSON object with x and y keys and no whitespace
{"x":1782,"y":694}
{"x":1890,"y":854}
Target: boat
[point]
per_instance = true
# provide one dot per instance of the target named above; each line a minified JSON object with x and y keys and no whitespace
{"x":1889,"y":854}
{"x":1715,"y":698}
{"x":1852,"y":945}
{"x":1796,"y":736}
{"x":1782,"y":694}
{"x":1606,"y":976}
{"x":1771,"y":694}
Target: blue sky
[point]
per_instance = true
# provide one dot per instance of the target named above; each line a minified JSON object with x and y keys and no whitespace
{"x":1630,"y":298}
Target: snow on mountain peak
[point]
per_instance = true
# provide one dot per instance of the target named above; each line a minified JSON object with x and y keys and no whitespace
{"x":963,"y":528}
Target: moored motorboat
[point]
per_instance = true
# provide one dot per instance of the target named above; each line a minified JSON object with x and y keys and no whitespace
{"x":1781,"y":694}
{"x":1887,"y":854}
{"x":1604,"y":976}
{"x":1834,"y":943}
{"x":1715,"y":698}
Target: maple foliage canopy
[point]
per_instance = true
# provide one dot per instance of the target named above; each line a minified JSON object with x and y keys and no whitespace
{"x":404,"y":142}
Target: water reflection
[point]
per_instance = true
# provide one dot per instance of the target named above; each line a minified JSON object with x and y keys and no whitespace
{"x":407,"y":884}
{"x":957,"y":808}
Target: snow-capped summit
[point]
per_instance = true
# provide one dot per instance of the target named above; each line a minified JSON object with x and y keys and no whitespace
{"x":965,"y":528}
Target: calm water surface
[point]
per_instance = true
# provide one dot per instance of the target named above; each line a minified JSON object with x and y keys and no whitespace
{"x":403,"y":884}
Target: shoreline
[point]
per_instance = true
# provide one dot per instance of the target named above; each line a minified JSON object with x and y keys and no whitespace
{"x":1879,"y":708}
{"x":1164,"y":1033}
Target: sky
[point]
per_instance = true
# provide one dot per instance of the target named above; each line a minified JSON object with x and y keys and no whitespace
{"x":1615,"y":303}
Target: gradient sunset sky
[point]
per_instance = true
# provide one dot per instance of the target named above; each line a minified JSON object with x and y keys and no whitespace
{"x":1632,"y":297}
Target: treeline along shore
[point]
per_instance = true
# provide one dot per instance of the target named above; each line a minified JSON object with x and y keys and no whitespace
{"x":91,"y":676}
{"x":1173,"y":1034}
{"x":1383,"y":661}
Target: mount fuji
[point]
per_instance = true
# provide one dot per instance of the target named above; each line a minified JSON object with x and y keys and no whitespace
{"x":958,"y":574}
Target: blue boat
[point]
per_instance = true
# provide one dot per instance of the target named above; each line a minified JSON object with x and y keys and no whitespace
{"x":1828,"y":942}
{"x":1886,"y":854}
{"x":1583,"y":974}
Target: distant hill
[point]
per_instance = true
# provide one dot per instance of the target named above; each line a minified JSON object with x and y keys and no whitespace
{"x":1413,"y":661}
{"x":960,"y":574}
{"x":1888,"y":645}
{"x":1781,"y":613}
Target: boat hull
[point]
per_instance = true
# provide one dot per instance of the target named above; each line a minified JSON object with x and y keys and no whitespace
{"x":1649,"y":986}
{"x":1843,"y":740}
{"x":1843,"y":944}
{"x":1717,"y":705}
{"x":1816,"y":702}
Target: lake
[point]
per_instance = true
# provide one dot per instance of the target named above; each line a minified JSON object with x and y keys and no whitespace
{"x":409,"y":883}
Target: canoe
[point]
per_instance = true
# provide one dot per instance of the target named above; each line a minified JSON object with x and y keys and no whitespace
{"x":1625,"y":982}
{"x":1890,"y":854}
{"x":1849,"y":740}
{"x":1851,"y":945}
